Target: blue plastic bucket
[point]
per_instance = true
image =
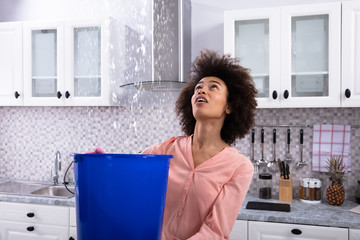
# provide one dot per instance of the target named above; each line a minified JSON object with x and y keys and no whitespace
{"x":120,"y":196}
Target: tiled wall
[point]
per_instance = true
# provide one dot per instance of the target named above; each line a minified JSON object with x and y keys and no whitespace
{"x":30,"y":136}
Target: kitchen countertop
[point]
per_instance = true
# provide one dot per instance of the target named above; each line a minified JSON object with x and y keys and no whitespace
{"x":56,"y":201}
{"x":322,"y":214}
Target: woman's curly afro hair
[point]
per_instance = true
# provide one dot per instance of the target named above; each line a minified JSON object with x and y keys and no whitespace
{"x":241,"y":94}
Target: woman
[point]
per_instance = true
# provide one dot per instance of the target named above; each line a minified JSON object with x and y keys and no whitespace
{"x":208,"y":179}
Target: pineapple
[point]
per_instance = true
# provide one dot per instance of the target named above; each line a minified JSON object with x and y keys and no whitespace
{"x":335,"y":193}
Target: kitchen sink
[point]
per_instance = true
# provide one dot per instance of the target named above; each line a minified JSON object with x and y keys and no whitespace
{"x":20,"y":187}
{"x":55,"y":191}
{"x":34,"y":188}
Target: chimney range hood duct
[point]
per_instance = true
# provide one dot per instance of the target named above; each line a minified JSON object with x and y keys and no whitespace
{"x":171,"y":47}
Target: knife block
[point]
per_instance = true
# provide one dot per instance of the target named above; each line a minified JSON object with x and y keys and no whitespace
{"x":286,"y":189}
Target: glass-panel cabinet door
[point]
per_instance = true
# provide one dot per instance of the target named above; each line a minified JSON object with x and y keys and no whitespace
{"x":43,"y":63}
{"x":311,"y":55}
{"x":254,"y":38}
{"x":252,"y":48}
{"x":87,"y":65}
{"x":87,"y":59}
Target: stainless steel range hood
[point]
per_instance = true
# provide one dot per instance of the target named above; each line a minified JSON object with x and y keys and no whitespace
{"x":171,"y":47}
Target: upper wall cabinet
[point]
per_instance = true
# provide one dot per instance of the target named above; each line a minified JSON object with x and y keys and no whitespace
{"x":66,"y":63}
{"x":293,"y":53}
{"x":350,"y":89}
{"x":87,"y":63}
{"x":43,"y":63}
{"x":254,"y":37}
{"x":11,"y":88}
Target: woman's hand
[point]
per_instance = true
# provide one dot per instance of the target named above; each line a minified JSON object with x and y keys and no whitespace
{"x":97,"y":150}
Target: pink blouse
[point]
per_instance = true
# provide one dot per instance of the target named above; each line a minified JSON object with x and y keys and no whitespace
{"x":202,"y":202}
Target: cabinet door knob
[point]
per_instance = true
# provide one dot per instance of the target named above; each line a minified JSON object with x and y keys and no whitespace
{"x":30,"y":215}
{"x":58,"y":94}
{"x":296,"y":231}
{"x":286,"y":94}
{"x":274,"y":94}
{"x":347,"y":93}
{"x":30,"y":229}
{"x":67,"y":94}
{"x":17,"y":94}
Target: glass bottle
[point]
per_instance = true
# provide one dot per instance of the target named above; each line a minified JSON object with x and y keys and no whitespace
{"x":317,"y":190}
{"x":265,"y":185}
{"x":306,"y":188}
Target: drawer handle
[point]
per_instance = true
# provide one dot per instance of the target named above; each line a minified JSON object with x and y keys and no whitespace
{"x":296,"y":231}
{"x":30,"y":229}
{"x":30,"y":215}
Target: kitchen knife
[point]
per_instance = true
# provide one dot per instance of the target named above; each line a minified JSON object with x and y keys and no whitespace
{"x":283,"y":169}
{"x":287,"y":171}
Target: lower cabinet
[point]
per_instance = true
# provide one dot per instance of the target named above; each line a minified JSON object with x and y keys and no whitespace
{"x":72,"y":227}
{"x":282,"y":231}
{"x":240,"y":230}
{"x":354,"y":234}
{"x":20,"y":221}
{"x":11,"y":230}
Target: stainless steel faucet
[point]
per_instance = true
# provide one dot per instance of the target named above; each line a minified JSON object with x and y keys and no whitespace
{"x":55,"y":178}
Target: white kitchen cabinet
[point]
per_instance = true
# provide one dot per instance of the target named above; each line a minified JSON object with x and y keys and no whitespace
{"x":310,"y":60}
{"x":350,"y":88}
{"x":66,"y":63}
{"x":11,"y":90}
{"x":87,"y":63}
{"x":254,"y":37}
{"x":297,"y":48}
{"x":281,"y":231}
{"x":43,"y":47}
{"x":19,"y":221}
{"x":72,"y":227}
{"x":240,"y":230}
{"x":354,"y":234}
{"x":10,"y":230}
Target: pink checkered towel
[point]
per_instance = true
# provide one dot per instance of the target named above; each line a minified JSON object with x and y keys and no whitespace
{"x":330,"y":140}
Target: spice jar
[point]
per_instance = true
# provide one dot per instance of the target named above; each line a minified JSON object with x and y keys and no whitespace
{"x":306,"y":182}
{"x":265,"y":185}
{"x":302,"y":191}
{"x":317,"y":190}
{"x":312,"y":190}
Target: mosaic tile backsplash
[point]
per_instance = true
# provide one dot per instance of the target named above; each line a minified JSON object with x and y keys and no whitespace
{"x":30,"y":136}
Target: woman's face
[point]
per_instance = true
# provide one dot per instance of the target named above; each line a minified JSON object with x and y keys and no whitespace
{"x":209,"y":100}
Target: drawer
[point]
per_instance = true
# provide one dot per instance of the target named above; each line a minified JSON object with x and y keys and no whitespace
{"x":34,"y":231}
{"x":32,"y":213}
